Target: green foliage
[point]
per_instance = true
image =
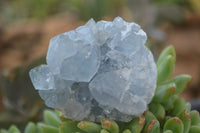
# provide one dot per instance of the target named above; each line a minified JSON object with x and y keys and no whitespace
{"x":181,"y":81}
{"x":171,"y":2}
{"x":164,"y":92}
{"x":30,"y":128}
{"x":96,"y":8}
{"x":195,"y":4}
{"x":137,"y":124}
{"x":185,"y":118}
{"x":110,"y":125}
{"x":194,"y":117}
{"x":174,"y":124}
{"x":50,"y":118}
{"x":158,"y":110}
{"x":40,"y":9}
{"x":165,"y":64}
{"x":89,"y":127}
{"x":167,"y":112}
{"x":13,"y":129}
{"x":28,"y":8}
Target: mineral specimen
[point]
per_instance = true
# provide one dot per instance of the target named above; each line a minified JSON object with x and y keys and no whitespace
{"x":99,"y":70}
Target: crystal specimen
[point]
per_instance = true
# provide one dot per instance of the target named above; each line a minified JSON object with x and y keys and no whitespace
{"x":99,"y":70}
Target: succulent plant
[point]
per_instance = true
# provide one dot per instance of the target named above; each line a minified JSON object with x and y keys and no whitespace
{"x":167,"y":112}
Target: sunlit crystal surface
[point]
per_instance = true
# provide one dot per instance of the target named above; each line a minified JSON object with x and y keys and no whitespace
{"x":101,"y":69}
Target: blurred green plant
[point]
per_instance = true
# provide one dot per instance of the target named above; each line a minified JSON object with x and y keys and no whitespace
{"x":97,"y":8}
{"x":40,"y":9}
{"x":195,"y":4}
{"x":14,"y":9}
{"x":170,"y":2}
{"x":167,"y":112}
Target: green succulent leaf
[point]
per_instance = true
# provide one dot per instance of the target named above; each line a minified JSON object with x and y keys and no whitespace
{"x":89,"y":127}
{"x":13,"y":129}
{"x":158,"y":110}
{"x":167,"y":118}
{"x":165,"y":64}
{"x":127,"y":131}
{"x":149,"y":117}
{"x":194,"y":117}
{"x":169,"y":104}
{"x":39,"y":128}
{"x":50,"y":118}
{"x":181,"y":81}
{"x":168,"y":131}
{"x":137,"y":124}
{"x":3,"y":131}
{"x":153,"y":127}
{"x":166,"y":52}
{"x":48,"y":128}
{"x":179,"y":106}
{"x":104,"y":131}
{"x":194,"y":129}
{"x":174,"y":124}
{"x":64,"y":119}
{"x":165,"y":69}
{"x":164,"y":92}
{"x":185,"y":118}
{"x":69,"y":127}
{"x":188,"y":106}
{"x":110,"y":125}
{"x":30,"y":128}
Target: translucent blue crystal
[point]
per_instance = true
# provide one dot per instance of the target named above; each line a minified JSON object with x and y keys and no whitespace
{"x":99,"y":70}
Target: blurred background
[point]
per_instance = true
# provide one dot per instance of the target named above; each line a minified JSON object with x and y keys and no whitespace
{"x":26,"y":27}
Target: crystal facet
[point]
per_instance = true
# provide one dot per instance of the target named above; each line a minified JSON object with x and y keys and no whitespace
{"x":99,"y":70}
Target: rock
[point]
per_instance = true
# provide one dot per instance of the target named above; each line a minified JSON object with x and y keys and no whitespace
{"x":99,"y":70}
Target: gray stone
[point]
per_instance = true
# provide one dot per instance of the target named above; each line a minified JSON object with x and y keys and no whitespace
{"x":99,"y":70}
{"x":42,"y":78}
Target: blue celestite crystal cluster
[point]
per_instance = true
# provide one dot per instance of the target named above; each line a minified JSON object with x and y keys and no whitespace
{"x":100,"y":70}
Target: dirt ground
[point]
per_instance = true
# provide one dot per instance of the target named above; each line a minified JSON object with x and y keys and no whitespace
{"x":22,"y":42}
